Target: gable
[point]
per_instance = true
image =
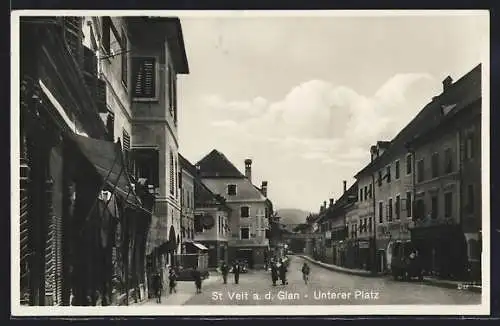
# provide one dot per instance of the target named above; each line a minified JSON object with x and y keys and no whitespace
{"x":215,"y":164}
{"x":245,"y":190}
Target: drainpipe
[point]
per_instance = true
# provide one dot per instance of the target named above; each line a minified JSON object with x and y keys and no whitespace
{"x":375,"y":261}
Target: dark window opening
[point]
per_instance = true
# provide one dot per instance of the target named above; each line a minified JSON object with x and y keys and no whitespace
{"x":408,"y":164}
{"x":448,"y":161}
{"x":231,"y":190}
{"x":448,"y":204}
{"x":381,"y":212}
{"x":420,"y":171}
{"x":245,"y":233}
{"x":124,"y":56}
{"x":434,"y":207}
{"x":396,"y":173}
{"x":435,"y":165}
{"x":408,"y":204}
{"x":245,"y":211}
{"x":398,"y":207}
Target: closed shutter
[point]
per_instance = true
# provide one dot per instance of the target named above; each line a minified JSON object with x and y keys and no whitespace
{"x":171,"y":173}
{"x":144,"y":78}
{"x":126,"y":150}
{"x":73,"y":37}
{"x":50,"y":247}
{"x":25,"y":250}
{"x":100,"y":96}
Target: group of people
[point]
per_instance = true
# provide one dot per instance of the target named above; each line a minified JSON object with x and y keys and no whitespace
{"x":237,"y":268}
{"x":157,"y":283}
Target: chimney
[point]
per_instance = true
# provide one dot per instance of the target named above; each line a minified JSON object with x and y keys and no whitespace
{"x":373,"y":152}
{"x":331,"y":202}
{"x":198,"y":169}
{"x":345,"y":185}
{"x":447,"y":83}
{"x":248,"y":169}
{"x":263,"y":188}
{"x":324,"y":204}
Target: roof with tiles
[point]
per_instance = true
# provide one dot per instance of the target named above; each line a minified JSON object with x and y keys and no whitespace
{"x":216,"y":165}
{"x":460,"y":93}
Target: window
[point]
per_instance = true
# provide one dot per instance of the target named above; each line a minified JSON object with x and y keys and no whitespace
{"x":398,"y":207}
{"x":146,"y":164}
{"x":126,"y":148}
{"x":370,"y":225}
{"x":381,"y":212}
{"x":388,"y":173}
{"x":448,"y":161}
{"x":231,"y":190}
{"x":396,"y":167}
{"x":106,"y":34}
{"x":370,"y":190}
{"x":245,"y":233}
{"x":420,"y":170}
{"x":434,"y":207}
{"x":470,"y":199}
{"x":419,"y":209}
{"x":145,"y":78}
{"x":448,"y":204}
{"x":365,"y":224}
{"x":408,"y":204}
{"x":389,"y":210}
{"x":360,"y":194}
{"x":124,"y":56}
{"x":469,"y":146}
{"x":245,"y":211}
{"x":408,"y":164}
{"x":366,"y":192}
{"x":172,"y":186}
{"x":379,"y":178}
{"x":435,"y":165}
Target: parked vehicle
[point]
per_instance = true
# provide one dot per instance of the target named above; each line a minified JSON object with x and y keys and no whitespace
{"x":405,"y":262}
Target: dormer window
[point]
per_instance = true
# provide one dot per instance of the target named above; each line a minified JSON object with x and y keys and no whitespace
{"x":231,"y":190}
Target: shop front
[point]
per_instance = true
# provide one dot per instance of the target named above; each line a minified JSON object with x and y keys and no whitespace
{"x":442,"y":250}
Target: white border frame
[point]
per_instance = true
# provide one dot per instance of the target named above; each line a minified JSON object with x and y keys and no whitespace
{"x":210,"y":310}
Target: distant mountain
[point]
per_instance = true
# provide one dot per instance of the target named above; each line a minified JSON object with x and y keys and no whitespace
{"x":292,"y":216}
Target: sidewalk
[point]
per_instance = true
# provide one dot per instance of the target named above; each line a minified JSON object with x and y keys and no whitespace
{"x":449,"y":284}
{"x":185,"y":291}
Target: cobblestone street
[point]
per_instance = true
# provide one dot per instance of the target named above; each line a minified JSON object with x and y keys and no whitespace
{"x":325,"y":288}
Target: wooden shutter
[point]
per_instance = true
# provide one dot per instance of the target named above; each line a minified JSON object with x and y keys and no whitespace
{"x":100,"y":96}
{"x":89,"y":61}
{"x":144,"y":78}
{"x":171,"y":173}
{"x":25,"y":249}
{"x":73,"y":36}
{"x":50,"y":245}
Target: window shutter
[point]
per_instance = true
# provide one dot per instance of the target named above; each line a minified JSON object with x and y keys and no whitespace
{"x":100,"y":96}
{"x":89,"y":61}
{"x":25,"y":250}
{"x":144,"y":77}
{"x":110,"y":126}
{"x":171,"y":173}
{"x":50,"y":244}
{"x":73,"y":36}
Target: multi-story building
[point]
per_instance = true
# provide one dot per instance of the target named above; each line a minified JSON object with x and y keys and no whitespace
{"x":361,"y":222}
{"x":247,"y":221}
{"x":211,"y":225}
{"x":447,"y":219}
{"x":76,"y":174}
{"x":188,"y":176}
{"x":139,"y":75}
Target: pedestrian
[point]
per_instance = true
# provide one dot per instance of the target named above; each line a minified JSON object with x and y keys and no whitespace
{"x":172,"y":280}
{"x":282,"y":271}
{"x":236,"y":271}
{"x":274,"y":273}
{"x":224,"y":270}
{"x":197,"y":279}
{"x":157,"y":286}
{"x":305,"y":272}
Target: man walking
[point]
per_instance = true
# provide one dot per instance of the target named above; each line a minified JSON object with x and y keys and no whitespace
{"x":282,"y":271}
{"x":224,"y":270}
{"x":236,"y":271}
{"x":172,"y":278}
{"x":197,"y":279}
{"x":305,"y":272}
{"x":157,"y":286}
{"x":274,"y":273}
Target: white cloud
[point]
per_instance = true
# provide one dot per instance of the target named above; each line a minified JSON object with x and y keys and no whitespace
{"x":318,"y":120}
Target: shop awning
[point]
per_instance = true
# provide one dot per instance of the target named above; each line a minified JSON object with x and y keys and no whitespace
{"x":108,"y":161}
{"x":199,"y":246}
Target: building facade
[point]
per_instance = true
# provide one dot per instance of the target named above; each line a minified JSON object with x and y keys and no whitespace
{"x":447,"y":219}
{"x":140,"y":82}
{"x":73,"y":172}
{"x":211,"y":225}
{"x":247,"y":221}
{"x":188,"y":175}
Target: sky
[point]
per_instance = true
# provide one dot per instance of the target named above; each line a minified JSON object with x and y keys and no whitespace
{"x":306,"y":97}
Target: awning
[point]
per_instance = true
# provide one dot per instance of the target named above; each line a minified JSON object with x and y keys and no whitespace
{"x":108,"y":161}
{"x":199,"y":246}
